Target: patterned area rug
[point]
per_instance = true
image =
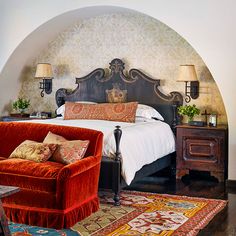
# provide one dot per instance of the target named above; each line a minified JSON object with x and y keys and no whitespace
{"x":26,"y":230}
{"x":150,"y":214}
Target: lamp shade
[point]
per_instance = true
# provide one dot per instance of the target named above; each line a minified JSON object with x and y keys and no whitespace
{"x":44,"y":70}
{"x":187,"y":73}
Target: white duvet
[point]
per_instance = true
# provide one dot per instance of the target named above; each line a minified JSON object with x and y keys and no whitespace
{"x":141,"y":142}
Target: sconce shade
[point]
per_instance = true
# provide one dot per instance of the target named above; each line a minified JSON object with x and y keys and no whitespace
{"x":187,"y":73}
{"x":44,"y":70}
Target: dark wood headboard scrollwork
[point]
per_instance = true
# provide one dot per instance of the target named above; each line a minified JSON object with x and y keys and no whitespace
{"x":137,"y":86}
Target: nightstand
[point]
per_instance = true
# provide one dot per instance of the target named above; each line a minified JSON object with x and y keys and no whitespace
{"x":202,"y":148}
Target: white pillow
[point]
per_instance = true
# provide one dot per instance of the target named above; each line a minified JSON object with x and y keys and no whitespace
{"x":148,"y":112}
{"x":61,"y":110}
{"x":142,"y":119}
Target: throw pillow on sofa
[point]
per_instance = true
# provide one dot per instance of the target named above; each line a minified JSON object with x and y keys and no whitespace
{"x":54,"y":138}
{"x":68,"y":151}
{"x":34,"y":151}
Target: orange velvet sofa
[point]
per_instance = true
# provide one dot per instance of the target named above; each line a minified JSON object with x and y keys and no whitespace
{"x":51,"y":194}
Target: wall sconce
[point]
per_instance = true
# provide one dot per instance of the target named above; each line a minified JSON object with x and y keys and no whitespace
{"x":44,"y":71}
{"x":187,"y":74}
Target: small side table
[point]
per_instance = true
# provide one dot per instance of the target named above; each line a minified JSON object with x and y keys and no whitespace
{"x":4,"y":192}
{"x":203,"y":149}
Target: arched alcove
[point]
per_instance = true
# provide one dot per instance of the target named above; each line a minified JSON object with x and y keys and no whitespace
{"x":79,"y":41}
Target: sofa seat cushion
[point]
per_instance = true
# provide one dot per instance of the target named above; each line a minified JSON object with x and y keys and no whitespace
{"x":29,"y":174}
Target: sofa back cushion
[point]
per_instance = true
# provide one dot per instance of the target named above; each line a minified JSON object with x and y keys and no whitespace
{"x":12,"y":134}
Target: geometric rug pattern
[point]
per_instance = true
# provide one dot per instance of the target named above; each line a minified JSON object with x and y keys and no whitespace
{"x":27,"y":230}
{"x":150,"y":214}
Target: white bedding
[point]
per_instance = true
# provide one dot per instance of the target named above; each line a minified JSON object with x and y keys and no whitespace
{"x":141,"y":142}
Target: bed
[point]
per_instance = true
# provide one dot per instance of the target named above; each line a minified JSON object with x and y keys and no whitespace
{"x":117,"y":85}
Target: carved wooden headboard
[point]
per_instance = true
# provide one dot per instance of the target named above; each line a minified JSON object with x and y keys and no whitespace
{"x":137,"y":86}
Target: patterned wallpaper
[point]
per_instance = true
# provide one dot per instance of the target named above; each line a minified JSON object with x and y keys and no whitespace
{"x":139,"y":40}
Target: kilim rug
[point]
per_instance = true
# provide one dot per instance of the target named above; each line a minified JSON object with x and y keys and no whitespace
{"x":150,"y":214}
{"x":26,"y":230}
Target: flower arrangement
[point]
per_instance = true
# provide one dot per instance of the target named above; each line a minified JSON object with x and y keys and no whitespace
{"x":21,"y":105}
{"x":189,"y":110}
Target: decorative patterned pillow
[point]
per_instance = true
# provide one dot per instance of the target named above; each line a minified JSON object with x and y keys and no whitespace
{"x":68,"y":151}
{"x":53,"y":138}
{"x":61,"y":110}
{"x":34,"y":151}
{"x":124,"y":112}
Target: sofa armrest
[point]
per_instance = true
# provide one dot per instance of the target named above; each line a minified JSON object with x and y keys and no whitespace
{"x":78,"y":181}
{"x":78,"y":167}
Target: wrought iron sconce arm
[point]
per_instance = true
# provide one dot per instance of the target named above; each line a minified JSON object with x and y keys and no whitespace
{"x":191,"y":90}
{"x":45,"y":86}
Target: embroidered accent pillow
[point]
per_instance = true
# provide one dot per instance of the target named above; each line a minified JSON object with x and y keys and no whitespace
{"x":53,"y":138}
{"x":61,"y":110}
{"x":68,"y":151}
{"x":34,"y":151}
{"x":124,"y":112}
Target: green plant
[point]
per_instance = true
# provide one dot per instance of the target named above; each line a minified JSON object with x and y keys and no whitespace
{"x":21,"y":104}
{"x":189,"y":110}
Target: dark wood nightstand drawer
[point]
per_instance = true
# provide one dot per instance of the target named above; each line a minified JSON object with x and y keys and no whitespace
{"x":202,"y":148}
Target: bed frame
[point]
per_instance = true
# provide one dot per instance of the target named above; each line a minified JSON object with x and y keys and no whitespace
{"x":131,"y":86}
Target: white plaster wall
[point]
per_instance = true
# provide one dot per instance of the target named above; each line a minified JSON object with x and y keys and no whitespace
{"x":208,"y":25}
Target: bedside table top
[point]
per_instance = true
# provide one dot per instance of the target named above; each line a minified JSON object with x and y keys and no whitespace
{"x":218,"y":127}
{"x":13,"y":118}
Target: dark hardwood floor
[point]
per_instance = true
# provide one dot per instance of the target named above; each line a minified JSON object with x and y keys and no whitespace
{"x":197,"y":185}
